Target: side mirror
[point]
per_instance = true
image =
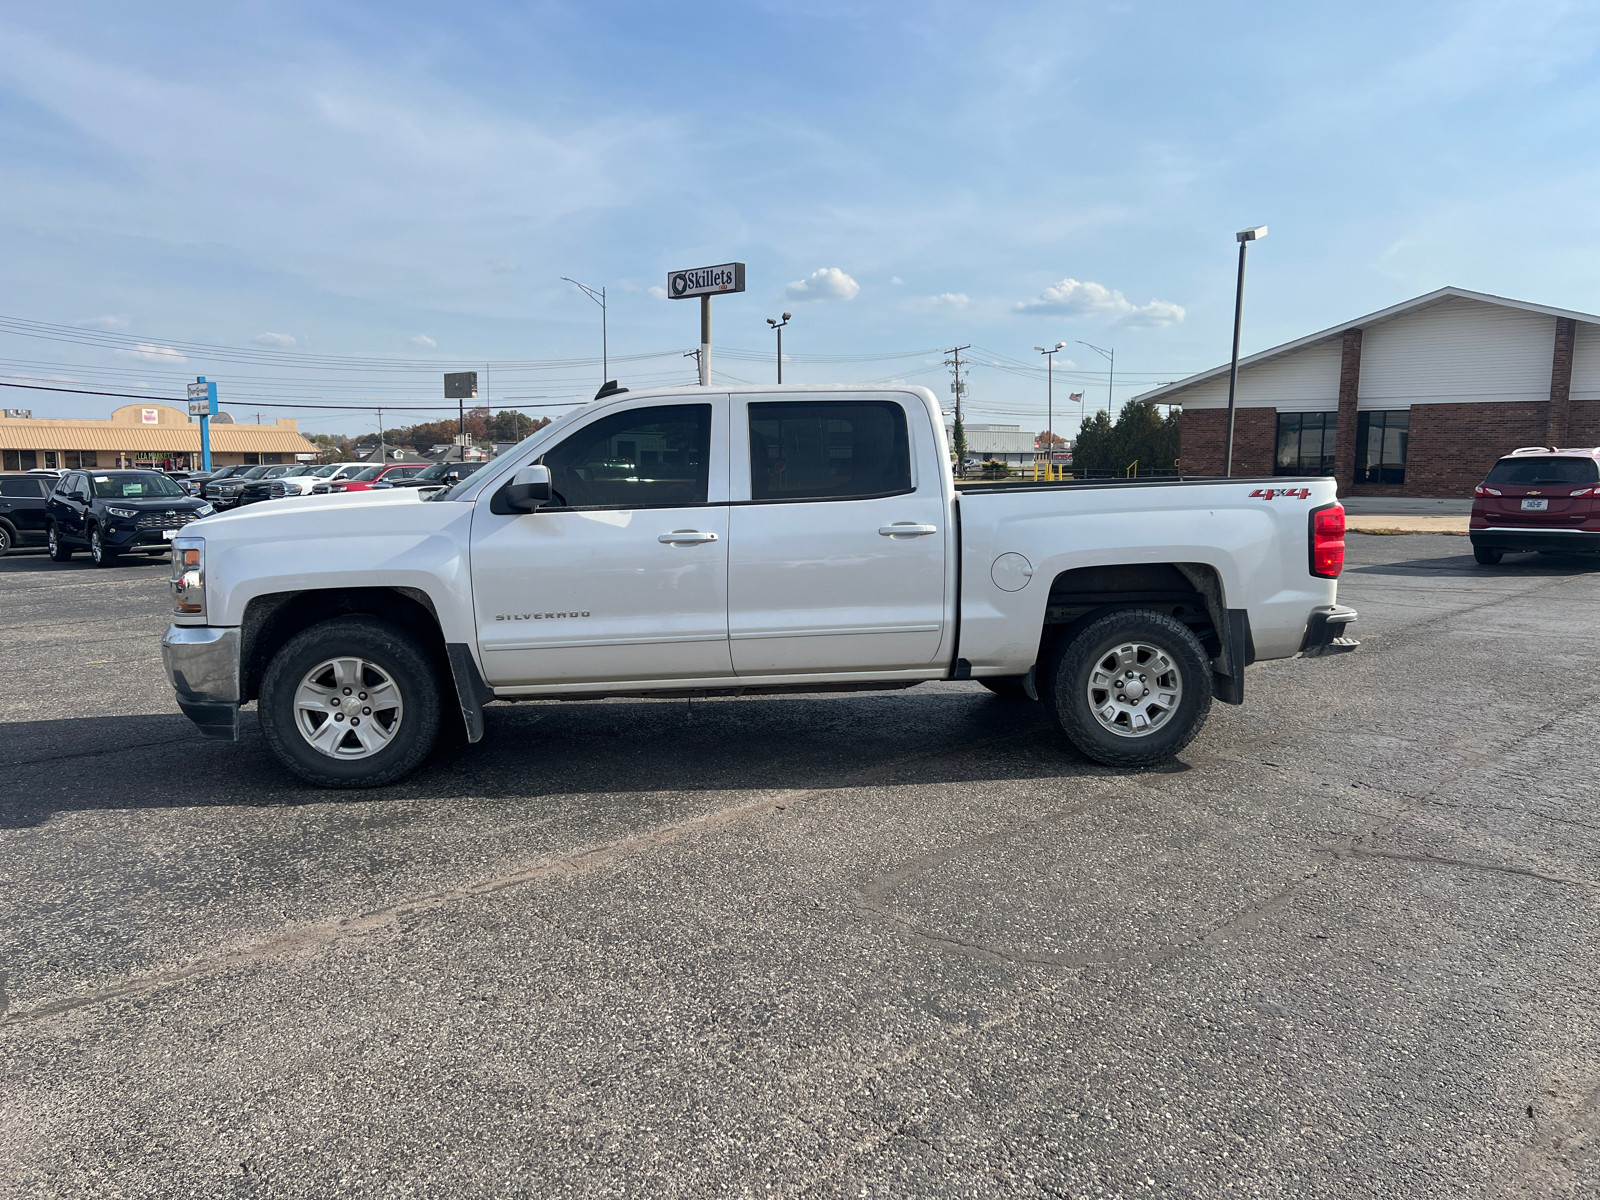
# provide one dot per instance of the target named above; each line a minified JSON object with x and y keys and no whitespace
{"x":529,"y":488}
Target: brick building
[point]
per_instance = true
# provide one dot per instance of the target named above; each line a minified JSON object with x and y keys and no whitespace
{"x":146,"y":435}
{"x":1416,"y":400}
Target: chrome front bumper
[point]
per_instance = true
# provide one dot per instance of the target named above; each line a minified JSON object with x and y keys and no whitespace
{"x":203,"y":664}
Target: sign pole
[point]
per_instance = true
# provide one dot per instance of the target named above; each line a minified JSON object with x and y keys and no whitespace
{"x":705,"y":282}
{"x":705,"y":341}
{"x":203,"y":404}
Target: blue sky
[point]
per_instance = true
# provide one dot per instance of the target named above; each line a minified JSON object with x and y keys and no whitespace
{"x":226,"y":189}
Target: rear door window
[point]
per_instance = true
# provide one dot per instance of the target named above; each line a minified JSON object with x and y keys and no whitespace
{"x":1534,"y":472}
{"x":657,"y":457}
{"x":828,"y":450}
{"x":22,"y":488}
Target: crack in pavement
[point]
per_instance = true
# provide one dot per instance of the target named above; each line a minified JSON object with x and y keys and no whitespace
{"x":1438,"y":860}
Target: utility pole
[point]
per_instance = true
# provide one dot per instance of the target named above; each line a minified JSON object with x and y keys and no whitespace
{"x":1111,"y":378}
{"x":695,"y":354}
{"x":1049,"y":408}
{"x":958,"y":387}
{"x":383,"y":455}
{"x":600,"y":299}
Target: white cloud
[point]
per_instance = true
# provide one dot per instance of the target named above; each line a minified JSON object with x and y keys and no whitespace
{"x":950,"y":300}
{"x":282,"y":340}
{"x":1072,"y":298}
{"x":657,"y":292}
{"x":150,"y":352}
{"x":825,"y":283}
{"x":104,"y":323}
{"x":896,"y":280}
{"x":423,"y":340}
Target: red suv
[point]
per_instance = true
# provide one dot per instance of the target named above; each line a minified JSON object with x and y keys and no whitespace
{"x":1538,"y":498}
{"x":363,"y":480}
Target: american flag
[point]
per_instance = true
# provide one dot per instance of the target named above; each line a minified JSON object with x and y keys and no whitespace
{"x":1075,"y":397}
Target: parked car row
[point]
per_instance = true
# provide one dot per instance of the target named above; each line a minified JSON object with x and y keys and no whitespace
{"x":109,"y":513}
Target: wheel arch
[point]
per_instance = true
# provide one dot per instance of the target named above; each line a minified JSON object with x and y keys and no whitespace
{"x":272,"y":618}
{"x":1192,"y":593}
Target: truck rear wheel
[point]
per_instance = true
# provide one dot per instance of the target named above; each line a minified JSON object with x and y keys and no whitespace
{"x":352,"y":702}
{"x":1487,"y":556}
{"x":1131,"y":689}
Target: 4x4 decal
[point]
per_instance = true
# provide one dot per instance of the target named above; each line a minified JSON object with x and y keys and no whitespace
{"x":1289,"y":493}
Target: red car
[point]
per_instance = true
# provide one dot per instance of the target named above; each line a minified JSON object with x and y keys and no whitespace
{"x":363,"y":481}
{"x":1538,"y":498}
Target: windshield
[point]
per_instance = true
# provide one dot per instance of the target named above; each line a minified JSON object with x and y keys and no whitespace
{"x":297,"y":473}
{"x":324,"y":472}
{"x":454,"y":474}
{"x":369,"y":473}
{"x":1531,"y":472}
{"x":144,"y":484}
{"x":252,"y":473}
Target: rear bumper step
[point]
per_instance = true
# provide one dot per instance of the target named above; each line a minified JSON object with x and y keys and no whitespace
{"x":1325,"y":632}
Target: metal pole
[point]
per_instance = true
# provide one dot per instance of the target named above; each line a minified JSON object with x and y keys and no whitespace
{"x":705,"y":341}
{"x":780,"y":353}
{"x":1233,"y":369}
{"x":605,"y":348}
{"x":1050,"y":413}
{"x":1111,"y":381}
{"x":461,"y":430}
{"x":383,"y":452}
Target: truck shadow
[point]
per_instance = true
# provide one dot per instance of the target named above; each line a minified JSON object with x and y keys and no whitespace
{"x":617,"y":747}
{"x":1537,"y":565}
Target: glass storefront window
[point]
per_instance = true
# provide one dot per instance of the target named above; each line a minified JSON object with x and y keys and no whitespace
{"x":1306,"y":443}
{"x":1381,"y":439}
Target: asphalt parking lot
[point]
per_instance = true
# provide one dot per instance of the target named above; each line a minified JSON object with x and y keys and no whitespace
{"x":891,"y":944}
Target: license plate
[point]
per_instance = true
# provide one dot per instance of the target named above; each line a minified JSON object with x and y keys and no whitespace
{"x":168,"y":534}
{"x":1535,"y":505}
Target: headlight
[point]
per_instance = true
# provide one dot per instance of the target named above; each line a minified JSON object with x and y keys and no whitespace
{"x":128,"y":513}
{"x":189,"y":576}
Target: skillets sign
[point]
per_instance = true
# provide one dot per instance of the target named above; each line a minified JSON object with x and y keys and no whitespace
{"x":705,"y":281}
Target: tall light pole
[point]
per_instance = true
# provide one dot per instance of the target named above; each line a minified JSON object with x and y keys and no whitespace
{"x":600,"y":299}
{"x":1050,"y":404}
{"x":1111,"y":379}
{"x":777,"y":327}
{"x":1245,"y":237}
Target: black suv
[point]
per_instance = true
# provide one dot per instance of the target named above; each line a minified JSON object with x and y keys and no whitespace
{"x":445,"y":474}
{"x":113,"y":512}
{"x":22,"y":510}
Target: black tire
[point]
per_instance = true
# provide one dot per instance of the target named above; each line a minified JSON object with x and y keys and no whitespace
{"x":393,"y":653}
{"x":1073,"y":667}
{"x":1007,"y":687}
{"x":1486,"y":556}
{"x":101,"y":554}
{"x":7,"y":539}
{"x":59,"y":550}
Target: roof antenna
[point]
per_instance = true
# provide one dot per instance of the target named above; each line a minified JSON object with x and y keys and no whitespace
{"x":610,"y":388}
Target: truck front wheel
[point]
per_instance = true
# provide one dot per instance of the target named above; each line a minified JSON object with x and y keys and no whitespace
{"x":1133,"y":688}
{"x":352,"y":702}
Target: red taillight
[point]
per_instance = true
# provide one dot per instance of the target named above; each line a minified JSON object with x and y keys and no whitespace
{"x":1480,"y":490}
{"x":1327,"y":541}
{"x":1583,"y":491}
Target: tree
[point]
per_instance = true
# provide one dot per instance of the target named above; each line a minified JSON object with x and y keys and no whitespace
{"x":1140,"y":436}
{"x":958,"y":443}
{"x":1046,"y":438}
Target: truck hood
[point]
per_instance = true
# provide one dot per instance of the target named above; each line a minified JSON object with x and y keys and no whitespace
{"x":291,"y":507}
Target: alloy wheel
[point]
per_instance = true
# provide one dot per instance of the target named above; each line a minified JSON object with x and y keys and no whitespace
{"x":1134,"y":689}
{"x":348,"y":708}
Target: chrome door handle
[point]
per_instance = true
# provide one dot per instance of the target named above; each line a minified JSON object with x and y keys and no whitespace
{"x":685,"y":537}
{"x":907,"y":529}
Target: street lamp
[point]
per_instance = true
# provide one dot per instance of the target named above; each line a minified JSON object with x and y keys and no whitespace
{"x":1245,"y":237}
{"x":1111,"y":379}
{"x":600,"y":299}
{"x":1049,"y":406}
{"x":777,"y":327}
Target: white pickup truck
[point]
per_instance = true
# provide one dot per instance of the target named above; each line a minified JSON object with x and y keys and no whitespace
{"x":698,"y":541}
